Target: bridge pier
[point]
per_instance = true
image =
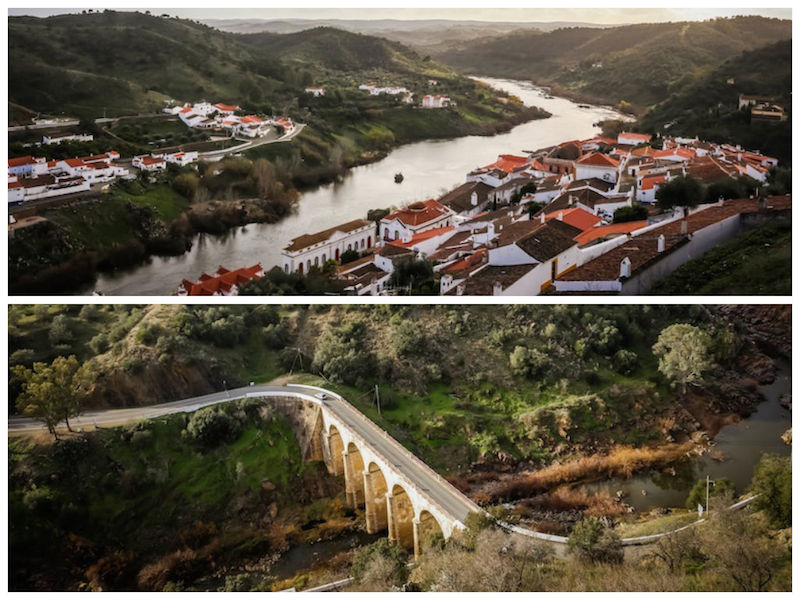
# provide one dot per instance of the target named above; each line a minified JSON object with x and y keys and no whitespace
{"x":353,"y":477}
{"x":417,"y":541}
{"x":375,"y":506}
{"x":391,"y":517}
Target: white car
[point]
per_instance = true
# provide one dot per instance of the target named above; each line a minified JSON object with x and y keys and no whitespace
{"x":322,"y":396}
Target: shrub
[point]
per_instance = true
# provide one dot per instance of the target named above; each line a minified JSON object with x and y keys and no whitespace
{"x":625,"y":214}
{"x":381,"y":562}
{"x":772,"y":479}
{"x":99,"y":343}
{"x":591,"y":540}
{"x":61,"y":330}
{"x":211,"y":427}
{"x":625,"y":362}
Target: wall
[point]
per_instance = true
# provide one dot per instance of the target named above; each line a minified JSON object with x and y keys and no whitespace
{"x":701,"y":242}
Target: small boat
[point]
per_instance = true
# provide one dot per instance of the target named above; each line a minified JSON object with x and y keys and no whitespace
{"x":398,"y":178}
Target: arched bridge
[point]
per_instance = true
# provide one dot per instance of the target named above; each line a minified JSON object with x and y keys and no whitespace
{"x":399,"y":493}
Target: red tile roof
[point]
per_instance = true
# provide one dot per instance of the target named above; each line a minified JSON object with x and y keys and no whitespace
{"x":650,"y":181}
{"x":603,"y":231}
{"x":418,"y":213}
{"x":509,"y":163}
{"x":21,"y":161}
{"x":598,"y":159}
{"x":222,"y":281}
{"x":686,"y":153}
{"x":577,"y":217}
{"x":225,"y":107}
{"x":644,"y":137}
{"x":421,"y":237}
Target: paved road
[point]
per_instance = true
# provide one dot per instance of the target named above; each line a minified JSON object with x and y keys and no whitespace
{"x":218,"y":154}
{"x":409,"y":467}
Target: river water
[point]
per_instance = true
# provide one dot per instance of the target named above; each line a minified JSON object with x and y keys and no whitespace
{"x":430,"y":169}
{"x":741,"y":444}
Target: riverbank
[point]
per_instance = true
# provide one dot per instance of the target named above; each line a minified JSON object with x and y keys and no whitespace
{"x":107,"y":234}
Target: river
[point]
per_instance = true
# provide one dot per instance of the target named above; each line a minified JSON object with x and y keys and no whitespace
{"x":741,"y":444}
{"x":430,"y":169}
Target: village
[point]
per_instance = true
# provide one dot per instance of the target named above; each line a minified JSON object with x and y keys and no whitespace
{"x":552,"y":221}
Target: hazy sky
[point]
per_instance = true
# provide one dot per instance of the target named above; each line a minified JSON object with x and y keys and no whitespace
{"x":592,"y":15}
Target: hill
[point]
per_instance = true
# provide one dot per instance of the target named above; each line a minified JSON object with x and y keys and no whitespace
{"x":708,"y":106}
{"x":640,"y":64}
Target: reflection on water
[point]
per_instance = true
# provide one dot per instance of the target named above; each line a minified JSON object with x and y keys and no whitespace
{"x":430,"y":169}
{"x":741,"y":444}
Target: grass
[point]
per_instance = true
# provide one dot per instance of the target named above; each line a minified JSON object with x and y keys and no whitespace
{"x":758,"y":262}
{"x":675,"y":520}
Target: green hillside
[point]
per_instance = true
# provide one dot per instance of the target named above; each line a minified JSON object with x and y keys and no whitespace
{"x":641,"y":63}
{"x":708,"y":106}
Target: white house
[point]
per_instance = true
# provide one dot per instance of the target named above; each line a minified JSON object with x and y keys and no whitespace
{"x":414,"y":219}
{"x":596,"y":164}
{"x":633,"y":139}
{"x":181,"y":158}
{"x":149,"y":162}
{"x":430,"y":101}
{"x":315,"y":249}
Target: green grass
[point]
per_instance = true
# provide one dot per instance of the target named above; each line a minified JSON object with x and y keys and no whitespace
{"x":165,"y":201}
{"x":758,"y":262}
{"x":678,"y":518}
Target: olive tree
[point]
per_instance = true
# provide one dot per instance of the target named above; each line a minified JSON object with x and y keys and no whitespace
{"x":684,"y":353}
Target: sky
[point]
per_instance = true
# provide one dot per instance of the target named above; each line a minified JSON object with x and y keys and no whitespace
{"x":606,"y":16}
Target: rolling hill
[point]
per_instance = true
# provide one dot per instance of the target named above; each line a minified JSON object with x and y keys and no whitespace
{"x":129,"y":62}
{"x":641,"y":64}
{"x":708,"y":106}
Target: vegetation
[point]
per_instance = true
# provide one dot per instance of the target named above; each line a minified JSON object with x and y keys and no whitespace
{"x":52,"y":393}
{"x":683,"y":354}
{"x":684,"y":192}
{"x":592,"y":541}
{"x":706,"y":105}
{"x":721,"y":487}
{"x":614,"y":64}
{"x":773,"y":482}
{"x":757,"y":262}
{"x":625,"y":214}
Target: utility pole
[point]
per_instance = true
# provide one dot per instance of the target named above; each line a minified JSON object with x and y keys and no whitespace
{"x":378,"y":399}
{"x":708,"y":483}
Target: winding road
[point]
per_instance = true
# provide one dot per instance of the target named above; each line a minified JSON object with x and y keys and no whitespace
{"x":411,"y":468}
{"x":407,"y":465}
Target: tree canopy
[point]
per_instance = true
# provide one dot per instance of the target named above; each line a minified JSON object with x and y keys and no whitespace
{"x":53,"y":393}
{"x":684,"y":353}
{"x":684,"y":192}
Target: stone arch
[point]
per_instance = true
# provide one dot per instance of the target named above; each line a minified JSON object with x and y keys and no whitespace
{"x":375,"y":490}
{"x":354,"y":475}
{"x":427,"y":528}
{"x":335,"y":450}
{"x":401,"y":517}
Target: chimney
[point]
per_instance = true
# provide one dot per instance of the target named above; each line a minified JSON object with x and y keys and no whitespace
{"x":720,"y":201}
{"x":684,"y":227}
{"x":474,"y":199}
{"x":561,"y":215}
{"x":625,"y":268}
{"x":460,"y":289}
{"x":542,"y":217}
{"x":497,"y":289}
{"x":661,"y":243}
{"x":571,"y":200}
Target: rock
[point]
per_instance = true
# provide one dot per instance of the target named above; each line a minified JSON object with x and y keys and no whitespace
{"x":267,"y":485}
{"x":787,"y":436}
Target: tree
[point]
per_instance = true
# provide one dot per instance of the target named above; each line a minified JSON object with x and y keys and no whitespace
{"x":718,"y":488}
{"x":772,"y":480}
{"x":380,"y":564}
{"x":625,"y":214}
{"x":593,"y":541}
{"x":738,"y":544}
{"x":53,"y":393}
{"x":411,"y":272}
{"x":684,"y":192}
{"x":349,"y":256}
{"x":683,"y":353}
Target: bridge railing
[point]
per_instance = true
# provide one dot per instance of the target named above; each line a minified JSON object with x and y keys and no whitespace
{"x":419,"y":462}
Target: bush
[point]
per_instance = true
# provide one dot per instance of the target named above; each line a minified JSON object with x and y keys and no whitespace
{"x":99,"y":343}
{"x":591,"y":540}
{"x":381,"y":562}
{"x":625,"y":214}
{"x":61,"y":330}
{"x":772,"y":479}
{"x":211,"y":427}
{"x":625,"y":362}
